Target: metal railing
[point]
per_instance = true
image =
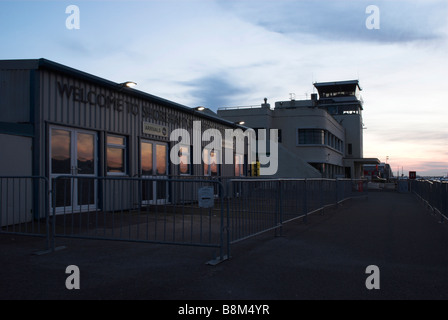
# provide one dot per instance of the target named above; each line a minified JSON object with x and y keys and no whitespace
{"x":434,"y":194}
{"x":24,"y":206}
{"x":164,"y":210}
{"x":154,"y":210}
{"x":260,"y":205}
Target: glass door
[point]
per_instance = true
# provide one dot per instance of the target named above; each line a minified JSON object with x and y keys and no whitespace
{"x":85,"y":170}
{"x":154,"y":165}
{"x":73,"y":153}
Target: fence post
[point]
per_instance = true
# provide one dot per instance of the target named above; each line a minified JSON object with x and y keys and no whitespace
{"x":441,"y":201}
{"x":278,"y":210}
{"x":305,"y":199}
{"x":446,"y":199}
{"x":47,"y":214}
{"x":321,"y":197}
{"x":53,"y":218}
{"x":336,"y":188}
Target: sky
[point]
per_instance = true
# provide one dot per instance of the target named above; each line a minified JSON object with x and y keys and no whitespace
{"x":226,"y":53}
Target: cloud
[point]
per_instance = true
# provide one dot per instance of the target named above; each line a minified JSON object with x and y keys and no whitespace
{"x":344,"y":20}
{"x":418,"y":136}
{"x":215,"y":91}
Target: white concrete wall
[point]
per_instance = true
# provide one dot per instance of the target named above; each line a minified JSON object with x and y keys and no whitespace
{"x":294,"y":158}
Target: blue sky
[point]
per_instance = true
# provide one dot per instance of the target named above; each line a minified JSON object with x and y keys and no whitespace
{"x":221,"y":53}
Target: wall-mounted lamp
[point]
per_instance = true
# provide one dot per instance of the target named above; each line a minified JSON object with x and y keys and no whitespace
{"x":200,"y":108}
{"x":128,"y":84}
{"x":240,"y":123}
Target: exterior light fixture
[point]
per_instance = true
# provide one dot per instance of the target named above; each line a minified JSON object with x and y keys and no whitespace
{"x":200,"y":108}
{"x":240,"y":122}
{"x":128,"y":84}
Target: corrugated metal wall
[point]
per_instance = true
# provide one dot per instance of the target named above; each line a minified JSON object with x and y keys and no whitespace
{"x":15,"y":96}
{"x":66,"y":101}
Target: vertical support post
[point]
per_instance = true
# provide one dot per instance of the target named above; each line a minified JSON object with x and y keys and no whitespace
{"x":47,"y":213}
{"x":53,"y":219}
{"x":279,"y":211}
{"x":321,"y":198}
{"x":304,"y":199}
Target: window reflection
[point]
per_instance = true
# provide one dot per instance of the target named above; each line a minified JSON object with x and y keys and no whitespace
{"x":146,"y":159}
{"x":238,"y":165}
{"x":85,"y":145}
{"x":205,"y":159}
{"x":210,"y":159}
{"x":161,"y":159}
{"x":116,"y":154}
{"x":115,"y":140}
{"x":184,"y":160}
{"x":60,"y":151}
{"x":214,"y":163}
{"x":115,"y":160}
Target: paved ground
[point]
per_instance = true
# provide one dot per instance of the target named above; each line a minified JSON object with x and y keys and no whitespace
{"x":325,"y":258}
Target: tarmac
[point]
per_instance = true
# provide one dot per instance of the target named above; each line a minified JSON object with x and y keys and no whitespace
{"x":324,"y":258}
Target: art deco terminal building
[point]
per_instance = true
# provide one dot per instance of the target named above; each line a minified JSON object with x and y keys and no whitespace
{"x":320,"y":137}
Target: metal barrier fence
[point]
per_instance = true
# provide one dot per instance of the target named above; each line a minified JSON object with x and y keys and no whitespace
{"x":24,"y":206}
{"x":260,"y":205}
{"x":155,"y":210}
{"x":209,"y":212}
{"x":434,"y":194}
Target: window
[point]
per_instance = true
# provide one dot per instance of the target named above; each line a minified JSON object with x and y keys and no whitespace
{"x":146,"y":158}
{"x":153,"y":158}
{"x":239,"y":165}
{"x":211,"y":166}
{"x":116,"y":155}
{"x":185,"y":160}
{"x":311,"y":136}
{"x":161,"y":162}
{"x":320,"y":137}
{"x":350,"y":149}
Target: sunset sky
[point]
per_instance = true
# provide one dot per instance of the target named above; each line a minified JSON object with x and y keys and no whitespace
{"x":223,"y":53}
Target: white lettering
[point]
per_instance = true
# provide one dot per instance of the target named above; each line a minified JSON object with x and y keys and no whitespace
{"x":373,"y":21}
{"x":175,"y":155}
{"x":73,"y":20}
{"x":373,"y":281}
{"x":72,"y":281}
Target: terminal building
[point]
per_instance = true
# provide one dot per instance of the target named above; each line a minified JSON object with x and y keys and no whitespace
{"x":321,"y":137}
{"x":57,"y":121}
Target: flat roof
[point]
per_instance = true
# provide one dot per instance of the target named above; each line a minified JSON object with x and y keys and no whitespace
{"x":337,"y":85}
{"x":30,"y":64}
{"x":365,"y":160}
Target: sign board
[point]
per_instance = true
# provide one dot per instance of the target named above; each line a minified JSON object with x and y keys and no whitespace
{"x":412,"y":175}
{"x":154,"y":129}
{"x":206,"y":197}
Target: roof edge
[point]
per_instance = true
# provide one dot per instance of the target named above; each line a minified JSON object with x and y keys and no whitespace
{"x":42,"y":63}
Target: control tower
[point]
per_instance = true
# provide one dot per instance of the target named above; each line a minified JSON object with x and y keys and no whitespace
{"x":342,"y":99}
